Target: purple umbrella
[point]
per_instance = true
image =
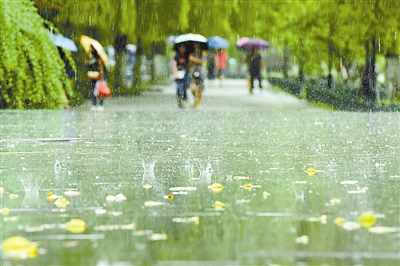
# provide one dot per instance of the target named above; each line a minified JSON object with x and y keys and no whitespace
{"x":249,"y":44}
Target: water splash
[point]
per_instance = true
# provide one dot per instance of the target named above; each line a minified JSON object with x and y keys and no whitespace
{"x":57,"y":167}
{"x":206,"y":174}
{"x":32,"y":185}
{"x":189,"y":168}
{"x":148,"y":173}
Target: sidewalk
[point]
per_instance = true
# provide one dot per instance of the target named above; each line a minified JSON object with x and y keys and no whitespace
{"x":233,"y":95}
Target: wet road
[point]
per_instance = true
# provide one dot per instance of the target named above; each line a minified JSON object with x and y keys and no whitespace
{"x":233,"y":95}
{"x":258,"y":147}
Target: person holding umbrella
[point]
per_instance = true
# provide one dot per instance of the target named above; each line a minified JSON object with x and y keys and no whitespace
{"x":255,"y":63}
{"x":198,"y":74}
{"x":187,"y":66}
{"x":180,"y":69}
{"x":219,"y":44}
{"x":96,"y":63}
{"x":95,"y":66}
{"x":253,"y":46}
{"x":222,"y":64}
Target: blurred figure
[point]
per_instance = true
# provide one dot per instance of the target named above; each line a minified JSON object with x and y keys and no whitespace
{"x":255,"y":63}
{"x":180,"y":69}
{"x":212,"y":61}
{"x":95,"y":73}
{"x":197,"y":74}
{"x":129,"y":62}
{"x":222,"y":64}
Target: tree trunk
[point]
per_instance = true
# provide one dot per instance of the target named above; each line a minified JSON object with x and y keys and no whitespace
{"x":139,"y":50}
{"x":286,"y":62}
{"x":301,"y":75}
{"x":120,"y":43}
{"x":368,"y":91}
{"x":136,"y":69}
{"x":330,"y":62}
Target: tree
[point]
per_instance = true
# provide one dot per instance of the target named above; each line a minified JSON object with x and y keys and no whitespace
{"x":321,"y":36}
{"x":32,"y":73}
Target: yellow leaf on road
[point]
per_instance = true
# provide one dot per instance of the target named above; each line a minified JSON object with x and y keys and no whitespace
{"x":19,"y":248}
{"x":367,"y":219}
{"x":61,"y":202}
{"x":76,"y":226}
{"x":241,"y":177}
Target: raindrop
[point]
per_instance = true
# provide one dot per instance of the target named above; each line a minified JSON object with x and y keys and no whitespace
{"x":379,"y":44}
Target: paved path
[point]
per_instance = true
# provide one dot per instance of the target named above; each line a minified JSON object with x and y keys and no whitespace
{"x":233,"y":94}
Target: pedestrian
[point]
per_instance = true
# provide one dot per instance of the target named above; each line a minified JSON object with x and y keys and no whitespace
{"x":212,"y":62}
{"x":180,"y":69}
{"x":130,"y":60}
{"x":197,"y":75}
{"x":95,"y":73}
{"x":222,"y":65}
{"x":255,"y":63}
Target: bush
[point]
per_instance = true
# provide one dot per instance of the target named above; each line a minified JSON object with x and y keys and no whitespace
{"x":340,"y":97}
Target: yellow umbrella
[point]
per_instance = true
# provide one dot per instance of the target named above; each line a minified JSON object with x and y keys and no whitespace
{"x":86,"y":42}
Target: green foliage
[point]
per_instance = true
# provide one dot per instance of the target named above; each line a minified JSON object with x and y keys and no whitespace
{"x":31,"y":71}
{"x":329,"y":33}
{"x":340,"y":97}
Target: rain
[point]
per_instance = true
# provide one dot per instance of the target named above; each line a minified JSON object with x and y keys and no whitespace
{"x":256,"y":176}
{"x":236,"y":181}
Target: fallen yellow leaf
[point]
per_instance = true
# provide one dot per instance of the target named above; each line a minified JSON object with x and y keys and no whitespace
{"x":302,"y":240}
{"x":266,"y":194}
{"x":4,"y":211}
{"x":61,"y":202}
{"x":241,"y":177}
{"x":216,"y":185}
{"x":170,"y":196}
{"x":311,"y":171}
{"x":76,"y":226}
{"x":216,"y":188}
{"x":150,"y":203}
{"x":147,"y":186}
{"x":219,"y":205}
{"x":367,"y":219}
{"x":19,"y":248}
{"x":339,"y":221}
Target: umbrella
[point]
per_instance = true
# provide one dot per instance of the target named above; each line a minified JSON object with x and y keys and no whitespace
{"x":241,"y":41}
{"x":217,"y":42}
{"x":86,"y":42}
{"x":189,"y":39}
{"x":64,"y":42}
{"x":249,"y":44}
{"x":131,"y":48}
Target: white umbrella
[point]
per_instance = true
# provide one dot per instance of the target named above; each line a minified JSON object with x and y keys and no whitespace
{"x":190,"y":37}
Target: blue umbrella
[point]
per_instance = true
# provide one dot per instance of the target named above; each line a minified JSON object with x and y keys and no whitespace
{"x":217,"y":42}
{"x":64,"y":42}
